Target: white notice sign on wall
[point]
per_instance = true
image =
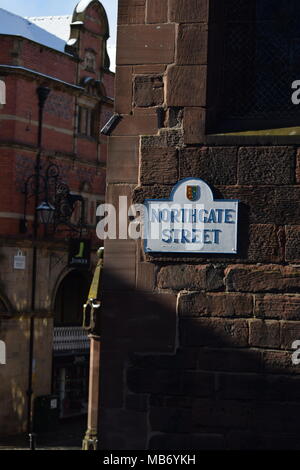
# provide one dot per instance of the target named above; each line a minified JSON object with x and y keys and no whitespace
{"x":19,"y":261}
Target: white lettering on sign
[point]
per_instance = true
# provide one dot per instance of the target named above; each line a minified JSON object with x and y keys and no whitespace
{"x":191,"y":221}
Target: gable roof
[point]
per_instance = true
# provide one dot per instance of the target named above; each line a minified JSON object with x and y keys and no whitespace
{"x":50,"y":31}
{"x":60,"y":26}
{"x":15,"y":25}
{"x":57,"y":25}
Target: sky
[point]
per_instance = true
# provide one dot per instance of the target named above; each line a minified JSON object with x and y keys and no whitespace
{"x":60,"y":7}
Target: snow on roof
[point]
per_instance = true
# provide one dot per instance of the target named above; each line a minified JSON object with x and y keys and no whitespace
{"x":51,"y":31}
{"x":57,"y":25}
{"x":15,"y":25}
{"x":82,"y":5}
{"x":60,"y":26}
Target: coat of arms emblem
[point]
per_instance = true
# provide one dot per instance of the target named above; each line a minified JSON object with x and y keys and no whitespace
{"x":193,"y":193}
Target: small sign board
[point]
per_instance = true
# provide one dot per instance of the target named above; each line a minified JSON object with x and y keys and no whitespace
{"x":20,"y":261}
{"x":79,"y":253}
{"x":191,"y":221}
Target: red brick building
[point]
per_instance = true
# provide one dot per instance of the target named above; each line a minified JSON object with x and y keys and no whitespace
{"x":196,"y":348}
{"x":80,"y":102}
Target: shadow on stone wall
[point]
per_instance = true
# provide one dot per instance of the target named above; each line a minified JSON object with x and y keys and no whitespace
{"x":175,"y":377}
{"x":14,"y":330}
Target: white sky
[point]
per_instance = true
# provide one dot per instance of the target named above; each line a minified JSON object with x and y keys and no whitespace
{"x":62,"y":7}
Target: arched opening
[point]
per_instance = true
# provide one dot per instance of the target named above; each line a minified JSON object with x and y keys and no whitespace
{"x":71,"y":345}
{"x":70,"y":297}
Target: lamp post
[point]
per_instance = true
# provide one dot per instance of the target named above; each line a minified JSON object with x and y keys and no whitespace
{"x":54,"y":205}
{"x":56,"y":208}
{"x":42,"y":93}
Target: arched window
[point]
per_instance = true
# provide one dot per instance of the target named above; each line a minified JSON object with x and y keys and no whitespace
{"x":2,"y":92}
{"x":71,"y":295}
{"x":255,"y":57}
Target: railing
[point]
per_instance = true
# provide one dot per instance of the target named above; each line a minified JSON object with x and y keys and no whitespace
{"x":70,"y":338}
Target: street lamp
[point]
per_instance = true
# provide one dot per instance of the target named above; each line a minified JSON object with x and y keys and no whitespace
{"x":56,"y":208}
{"x":45,"y":213}
{"x":55,"y":204}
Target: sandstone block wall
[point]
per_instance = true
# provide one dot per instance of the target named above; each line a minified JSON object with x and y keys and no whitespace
{"x":196,"y":350}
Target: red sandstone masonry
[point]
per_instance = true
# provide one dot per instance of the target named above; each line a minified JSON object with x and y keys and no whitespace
{"x":228,"y":379}
{"x":186,"y":85}
{"x":280,"y":307}
{"x":265,"y":243}
{"x":279,"y":362}
{"x":157,"y":11}
{"x":292,"y":246}
{"x":215,"y":305}
{"x":216,"y":165}
{"x":214,"y":332}
{"x":149,"y":44}
{"x":152,"y":69}
{"x":133,"y":125}
{"x":229,"y":360}
{"x":123,"y":99}
{"x":148,"y":90}
{"x":194,"y":125}
{"x":265,"y":334}
{"x":192,"y":44}
{"x":262,"y":278}
{"x":131,"y":11}
{"x":266,"y":165}
{"x":179,"y":277}
{"x":159,"y":166}
{"x":290,"y":332}
{"x":185,"y":11}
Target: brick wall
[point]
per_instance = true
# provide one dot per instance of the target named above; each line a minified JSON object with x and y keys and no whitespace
{"x":82,"y":164}
{"x":14,"y":375}
{"x":196,"y":350}
{"x":82,"y":159}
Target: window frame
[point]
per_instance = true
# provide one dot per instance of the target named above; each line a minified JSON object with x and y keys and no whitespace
{"x":87,"y":121}
{"x":214,"y":134}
